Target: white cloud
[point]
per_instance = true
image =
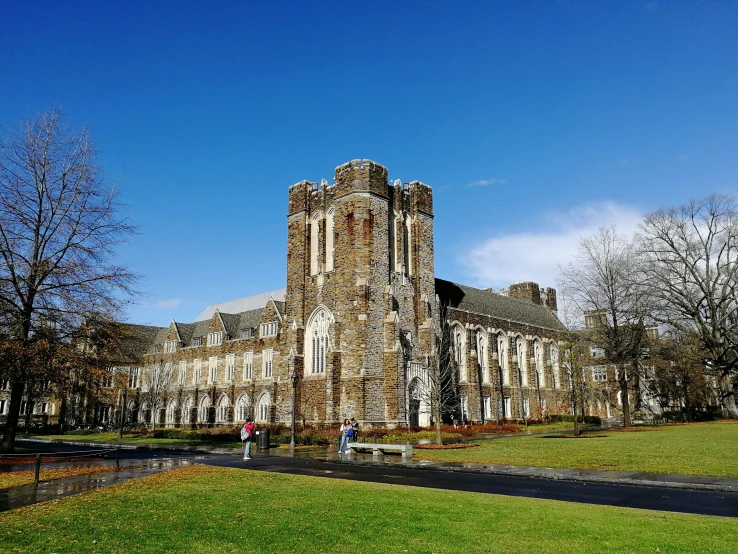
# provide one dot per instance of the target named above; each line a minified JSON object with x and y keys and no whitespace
{"x":536,"y":255}
{"x":487,"y":182}
{"x":168,"y":304}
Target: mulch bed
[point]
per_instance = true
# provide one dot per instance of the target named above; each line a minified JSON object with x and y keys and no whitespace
{"x":456,"y":446}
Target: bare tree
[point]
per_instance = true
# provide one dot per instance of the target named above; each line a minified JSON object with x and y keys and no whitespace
{"x":156,"y":388}
{"x":680,"y":380}
{"x":440,"y":389}
{"x":691,"y":265}
{"x":600,"y":284}
{"x":58,"y":231}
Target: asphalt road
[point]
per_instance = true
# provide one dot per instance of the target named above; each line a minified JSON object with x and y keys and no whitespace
{"x":628,"y":496}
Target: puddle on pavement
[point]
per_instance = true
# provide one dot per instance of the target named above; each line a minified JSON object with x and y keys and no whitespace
{"x":27,"y":495}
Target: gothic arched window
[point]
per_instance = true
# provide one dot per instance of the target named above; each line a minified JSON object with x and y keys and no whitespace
{"x":329,"y":248}
{"x":481,"y":337}
{"x":204,"y":409}
{"x":520,"y":359}
{"x":262,"y":408}
{"x":554,"y":356}
{"x":223,"y":408}
{"x":317,"y":341}
{"x":459,"y":346}
{"x":242,"y":407}
{"x":502,"y":358}
{"x":538,"y":359}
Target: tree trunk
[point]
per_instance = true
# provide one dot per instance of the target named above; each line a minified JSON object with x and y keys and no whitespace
{"x":437,"y":421}
{"x":11,"y":424}
{"x":727,"y":397}
{"x":623,"y":382}
{"x":62,"y":412}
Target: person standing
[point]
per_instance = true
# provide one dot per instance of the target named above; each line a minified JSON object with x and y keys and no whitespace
{"x":342,"y":445}
{"x":355,"y":429}
{"x":248,"y":434}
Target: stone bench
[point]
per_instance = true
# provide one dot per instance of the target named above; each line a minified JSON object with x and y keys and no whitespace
{"x":377,"y":448}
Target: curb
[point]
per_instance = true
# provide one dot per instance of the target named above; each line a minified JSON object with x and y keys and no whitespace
{"x":553,"y":476}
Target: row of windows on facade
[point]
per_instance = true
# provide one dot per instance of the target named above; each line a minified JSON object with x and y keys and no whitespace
{"x":207,"y":413}
{"x":502,"y":353}
{"x":40,"y":386}
{"x":216,"y":339}
{"x":399,"y":261}
{"x":267,"y":366}
{"x":37,"y":408}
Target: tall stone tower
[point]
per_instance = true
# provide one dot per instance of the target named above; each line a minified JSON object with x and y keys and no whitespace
{"x":360,"y":292}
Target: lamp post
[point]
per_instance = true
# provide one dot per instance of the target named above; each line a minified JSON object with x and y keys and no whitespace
{"x":294,"y":377}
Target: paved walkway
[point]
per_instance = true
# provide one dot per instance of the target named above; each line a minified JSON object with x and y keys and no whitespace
{"x":695,"y":482}
{"x":681,"y":493}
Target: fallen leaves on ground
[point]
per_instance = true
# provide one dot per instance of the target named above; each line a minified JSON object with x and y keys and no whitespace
{"x":18,"y":478}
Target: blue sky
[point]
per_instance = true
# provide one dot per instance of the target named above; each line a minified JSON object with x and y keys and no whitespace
{"x":534,"y":122}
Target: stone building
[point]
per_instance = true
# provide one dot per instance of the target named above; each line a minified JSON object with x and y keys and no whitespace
{"x":356,"y":327}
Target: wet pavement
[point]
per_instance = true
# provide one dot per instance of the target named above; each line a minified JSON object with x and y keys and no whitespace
{"x":27,"y":495}
{"x":679,"y":493}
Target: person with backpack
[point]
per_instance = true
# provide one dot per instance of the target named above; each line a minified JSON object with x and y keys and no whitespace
{"x":247,"y":434}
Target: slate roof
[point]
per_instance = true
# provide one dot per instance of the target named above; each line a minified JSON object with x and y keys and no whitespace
{"x":243,"y":304}
{"x":487,"y":302}
{"x":137,"y":340}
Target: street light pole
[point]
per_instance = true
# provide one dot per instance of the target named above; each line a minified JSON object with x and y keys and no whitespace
{"x":293,"y":377}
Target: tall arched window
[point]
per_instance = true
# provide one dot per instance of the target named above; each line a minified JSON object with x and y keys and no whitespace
{"x":204,"y":409}
{"x":262,"y":408}
{"x":502,"y":358}
{"x":186,"y":409}
{"x":458,"y":336}
{"x":314,"y":245}
{"x":242,"y":407}
{"x":520,"y":353}
{"x":172,"y":412}
{"x":408,"y":245}
{"x":538,"y":359}
{"x":554,"y":356}
{"x":223,"y":408}
{"x":394,"y":266}
{"x":330,"y":215}
{"x":481,"y":337}
{"x":317,"y":341}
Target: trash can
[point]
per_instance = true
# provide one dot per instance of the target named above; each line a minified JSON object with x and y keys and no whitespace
{"x":262,"y":439}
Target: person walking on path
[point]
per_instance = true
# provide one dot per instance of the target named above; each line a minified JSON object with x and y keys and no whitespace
{"x":247,"y":434}
{"x":342,"y":445}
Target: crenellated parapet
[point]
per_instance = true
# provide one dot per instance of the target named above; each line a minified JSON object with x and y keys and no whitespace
{"x":361,"y":176}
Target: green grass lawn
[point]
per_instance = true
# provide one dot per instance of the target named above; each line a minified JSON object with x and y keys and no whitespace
{"x":208,"y":510}
{"x":696,"y":449}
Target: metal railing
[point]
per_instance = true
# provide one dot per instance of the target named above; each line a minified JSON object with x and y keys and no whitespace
{"x":59,"y":456}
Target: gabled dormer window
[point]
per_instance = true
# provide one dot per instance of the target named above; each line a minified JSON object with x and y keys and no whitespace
{"x":247,"y":333}
{"x":269,"y":329}
{"x":214,"y":339}
{"x":197,"y":341}
{"x":170,"y":346}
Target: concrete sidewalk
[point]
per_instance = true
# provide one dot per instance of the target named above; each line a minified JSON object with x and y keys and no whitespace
{"x":329,"y":454}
